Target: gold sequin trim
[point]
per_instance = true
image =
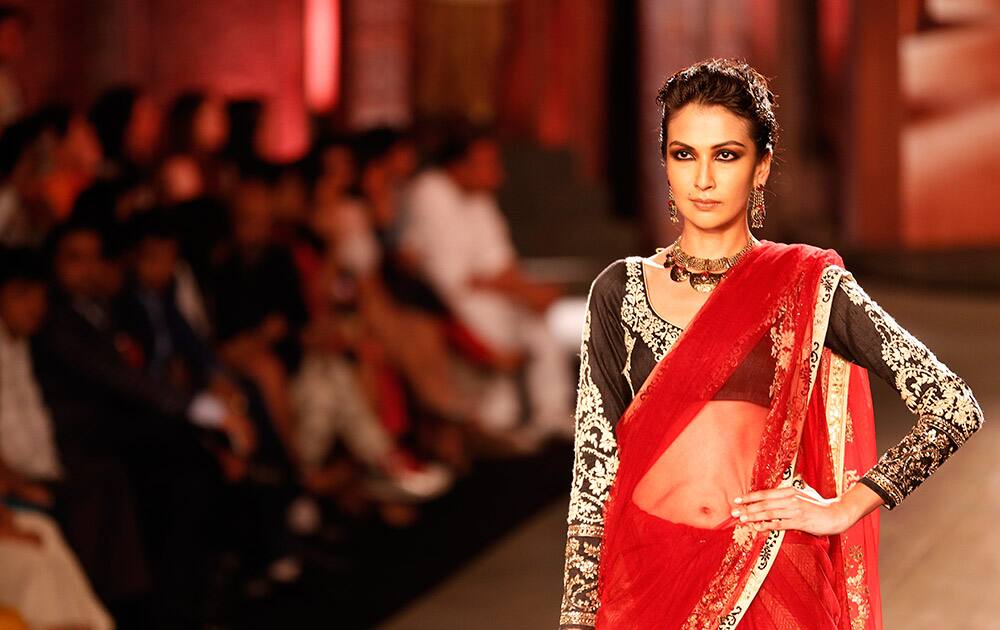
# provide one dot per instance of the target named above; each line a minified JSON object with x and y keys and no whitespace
{"x":857,"y":589}
{"x":586,"y":530}
{"x":577,"y":619}
{"x":702,"y":617}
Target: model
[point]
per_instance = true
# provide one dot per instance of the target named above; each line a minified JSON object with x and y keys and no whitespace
{"x":725,"y":467}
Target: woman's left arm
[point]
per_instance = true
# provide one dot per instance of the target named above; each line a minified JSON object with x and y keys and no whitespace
{"x":946,"y":409}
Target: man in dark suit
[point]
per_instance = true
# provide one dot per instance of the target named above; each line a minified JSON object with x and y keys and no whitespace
{"x":106,"y":409}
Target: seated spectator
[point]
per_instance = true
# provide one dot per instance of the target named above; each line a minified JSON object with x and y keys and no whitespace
{"x":197,"y":127}
{"x":332,"y":400}
{"x":41,"y":578}
{"x":92,"y":498}
{"x":190,"y":183}
{"x":388,"y":158}
{"x":459,"y":240}
{"x":171,"y":352}
{"x":28,"y":454}
{"x":399,"y":310}
{"x":258,"y":307}
{"x":46,"y":160}
{"x":70,"y":155}
{"x":24,"y":219}
{"x":127,"y":121}
{"x":242,"y":151}
{"x":106,"y":409}
{"x":174,"y":355}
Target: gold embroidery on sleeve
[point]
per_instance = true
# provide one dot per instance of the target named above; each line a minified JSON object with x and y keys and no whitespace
{"x":903,"y":467}
{"x":947,"y":409}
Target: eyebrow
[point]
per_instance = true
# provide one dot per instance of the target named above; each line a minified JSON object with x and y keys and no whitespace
{"x":714,"y":146}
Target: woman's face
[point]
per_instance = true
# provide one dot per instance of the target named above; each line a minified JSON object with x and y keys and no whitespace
{"x":711,"y":165}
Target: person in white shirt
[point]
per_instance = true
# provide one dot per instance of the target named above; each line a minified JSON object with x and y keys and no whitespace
{"x":41,"y":577}
{"x":459,"y":239}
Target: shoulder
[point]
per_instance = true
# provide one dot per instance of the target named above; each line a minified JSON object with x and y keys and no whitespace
{"x":799,"y":254}
{"x":610,"y":285}
{"x":611,"y":278}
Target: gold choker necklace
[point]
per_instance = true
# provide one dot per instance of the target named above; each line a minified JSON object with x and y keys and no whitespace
{"x":703,"y":274}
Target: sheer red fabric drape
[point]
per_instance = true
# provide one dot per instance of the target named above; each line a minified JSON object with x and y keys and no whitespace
{"x":657,"y":573}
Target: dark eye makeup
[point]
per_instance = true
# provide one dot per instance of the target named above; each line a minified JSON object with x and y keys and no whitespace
{"x":726,"y":155}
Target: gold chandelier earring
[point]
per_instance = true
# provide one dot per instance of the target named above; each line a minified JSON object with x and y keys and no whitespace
{"x":672,"y":205}
{"x":757,"y":211}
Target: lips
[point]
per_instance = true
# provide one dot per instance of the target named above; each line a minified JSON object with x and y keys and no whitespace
{"x":705,"y":204}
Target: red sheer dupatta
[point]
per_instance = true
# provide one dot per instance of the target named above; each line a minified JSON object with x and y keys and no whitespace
{"x":819,"y":429}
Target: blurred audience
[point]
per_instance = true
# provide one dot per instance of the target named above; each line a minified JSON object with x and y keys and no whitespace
{"x":205,"y":355}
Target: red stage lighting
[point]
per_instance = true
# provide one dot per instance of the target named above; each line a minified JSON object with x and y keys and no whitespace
{"x":322,"y":54}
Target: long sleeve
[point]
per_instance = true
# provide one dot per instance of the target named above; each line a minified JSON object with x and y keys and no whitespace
{"x":946,"y":410}
{"x":89,"y":358}
{"x":602,"y":397}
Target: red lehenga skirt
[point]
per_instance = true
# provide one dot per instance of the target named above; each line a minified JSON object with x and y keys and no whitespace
{"x":797,"y":593}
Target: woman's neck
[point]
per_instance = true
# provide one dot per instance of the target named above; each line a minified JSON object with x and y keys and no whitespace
{"x":714,"y":244}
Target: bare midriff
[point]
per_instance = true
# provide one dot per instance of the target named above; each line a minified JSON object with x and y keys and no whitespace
{"x":696,"y":478}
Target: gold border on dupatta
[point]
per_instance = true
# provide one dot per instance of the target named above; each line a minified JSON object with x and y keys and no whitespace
{"x":836,"y":415}
{"x":828,"y":282}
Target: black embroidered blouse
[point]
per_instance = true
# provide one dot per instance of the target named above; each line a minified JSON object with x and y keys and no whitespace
{"x":623,"y":339}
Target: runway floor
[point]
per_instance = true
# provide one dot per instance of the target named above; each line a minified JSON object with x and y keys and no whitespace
{"x":940,"y":553}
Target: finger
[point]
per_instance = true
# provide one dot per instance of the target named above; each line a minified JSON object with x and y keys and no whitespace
{"x":776,"y":524}
{"x":766,"y":504}
{"x":770,"y":515}
{"x":770,"y":493}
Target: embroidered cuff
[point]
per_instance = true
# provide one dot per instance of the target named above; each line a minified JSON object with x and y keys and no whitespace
{"x":887,"y":500}
{"x":576,"y":620}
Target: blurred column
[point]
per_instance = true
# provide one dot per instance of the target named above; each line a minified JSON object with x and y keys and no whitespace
{"x":377,"y":62}
{"x":458,"y":57}
{"x":950,"y":141}
{"x":800,"y":203}
{"x":872,"y":154}
{"x":321,"y":53}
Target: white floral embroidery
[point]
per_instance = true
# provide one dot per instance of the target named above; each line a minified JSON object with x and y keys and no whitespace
{"x":945,"y":405}
{"x":594,"y":467}
{"x":626,"y":371}
{"x":657,"y":333}
{"x":926,"y":385}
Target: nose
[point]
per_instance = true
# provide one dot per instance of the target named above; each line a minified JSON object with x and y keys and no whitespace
{"x":705,"y":180}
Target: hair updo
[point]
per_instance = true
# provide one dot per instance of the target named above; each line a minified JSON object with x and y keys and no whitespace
{"x":731,"y":83}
